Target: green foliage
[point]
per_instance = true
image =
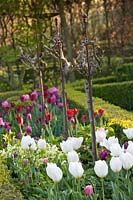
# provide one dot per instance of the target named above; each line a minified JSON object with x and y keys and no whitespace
{"x":8,"y":54}
{"x":116,"y":93}
{"x":7,"y":190}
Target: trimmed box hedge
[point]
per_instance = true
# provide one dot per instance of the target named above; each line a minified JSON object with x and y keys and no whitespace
{"x":120,"y":94}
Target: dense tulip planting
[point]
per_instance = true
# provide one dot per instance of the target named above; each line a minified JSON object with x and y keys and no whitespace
{"x":45,"y":165}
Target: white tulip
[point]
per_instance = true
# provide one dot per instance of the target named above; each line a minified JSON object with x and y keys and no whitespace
{"x":101,"y":134}
{"x":108,"y":142}
{"x":128,"y":132}
{"x":72,"y":156}
{"x":66,"y":146}
{"x":115,"y":149}
{"x":101,"y":168}
{"x":76,"y":169}
{"x":130,"y":147}
{"x":41,"y":144}
{"x":76,"y":142}
{"x":54,"y":172}
{"x":28,"y":143}
{"x":115,"y":164}
{"x":32,"y":144}
{"x":127,"y":160}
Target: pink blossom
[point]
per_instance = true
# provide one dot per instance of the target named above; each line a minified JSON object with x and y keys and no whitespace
{"x":33,"y":95}
{"x":29,"y":116}
{"x":88,"y":190}
{"x":5,"y":104}
{"x":53,"y":90}
{"x":53,"y":99}
{"x":1,"y":122}
{"x":24,"y":97}
{"x":45,"y":160}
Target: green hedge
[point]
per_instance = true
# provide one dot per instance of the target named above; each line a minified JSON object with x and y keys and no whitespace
{"x":113,"y":112}
{"x":117,"y":118}
{"x":120,"y":94}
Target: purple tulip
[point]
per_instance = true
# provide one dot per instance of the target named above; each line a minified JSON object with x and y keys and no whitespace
{"x":28,"y":109}
{"x":7,"y":126}
{"x":53,"y":99}
{"x":28,"y":129}
{"x":15,"y":155}
{"x":29,"y":116}
{"x":54,"y":91}
{"x":60,"y":105}
{"x":126,"y":145}
{"x":40,"y":108}
{"x":33,"y":95}
{"x":19,"y":136}
{"x":103,"y":154}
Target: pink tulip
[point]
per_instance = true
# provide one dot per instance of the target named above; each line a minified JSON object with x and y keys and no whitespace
{"x":1,"y":122}
{"x":88,"y":190}
{"x":5,"y":104}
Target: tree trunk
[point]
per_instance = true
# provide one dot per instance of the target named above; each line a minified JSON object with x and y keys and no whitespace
{"x":107,"y":33}
{"x":66,"y":36}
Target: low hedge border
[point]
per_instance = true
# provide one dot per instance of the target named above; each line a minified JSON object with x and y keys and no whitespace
{"x":120,"y":94}
{"x":115,"y":114}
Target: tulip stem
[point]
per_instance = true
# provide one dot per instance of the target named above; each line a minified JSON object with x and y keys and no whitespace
{"x":102,"y":181}
{"x":78,"y":189}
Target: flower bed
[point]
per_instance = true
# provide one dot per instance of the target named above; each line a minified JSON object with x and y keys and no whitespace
{"x":45,"y":165}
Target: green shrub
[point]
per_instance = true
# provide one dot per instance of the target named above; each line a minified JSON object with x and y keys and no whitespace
{"x":7,"y":190}
{"x":120,"y":94}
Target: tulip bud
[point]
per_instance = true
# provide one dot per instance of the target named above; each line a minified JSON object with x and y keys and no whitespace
{"x":76,"y":169}
{"x":28,"y":143}
{"x":88,"y":190}
{"x":76,"y":142}
{"x":72,"y":156}
{"x":115,"y":149}
{"x":66,"y":146}
{"x":127,"y":160}
{"x":101,"y":134}
{"x":54,"y":172}
{"x":41,"y":144}
{"x":101,"y":168}
{"x":115,"y":164}
{"x":128,"y":132}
